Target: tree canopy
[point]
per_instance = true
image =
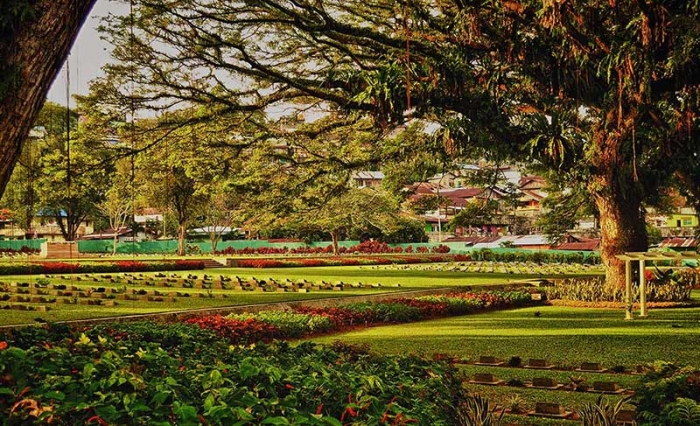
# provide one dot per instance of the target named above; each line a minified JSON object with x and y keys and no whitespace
{"x":603,"y":88}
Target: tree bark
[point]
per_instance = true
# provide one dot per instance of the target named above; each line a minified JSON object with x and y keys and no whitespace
{"x":181,"y":231}
{"x":622,"y":226}
{"x":33,"y":53}
{"x":214,"y":239}
{"x":335,"y":235}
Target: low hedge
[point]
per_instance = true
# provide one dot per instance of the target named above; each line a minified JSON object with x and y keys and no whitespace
{"x":536,"y":256}
{"x":347,"y":261}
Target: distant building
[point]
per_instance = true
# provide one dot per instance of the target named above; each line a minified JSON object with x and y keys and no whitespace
{"x":366,"y":179}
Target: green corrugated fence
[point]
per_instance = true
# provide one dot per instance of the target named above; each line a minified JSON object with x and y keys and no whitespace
{"x":18,"y":244}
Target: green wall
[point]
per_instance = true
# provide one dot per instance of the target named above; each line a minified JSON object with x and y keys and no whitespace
{"x":18,"y":244}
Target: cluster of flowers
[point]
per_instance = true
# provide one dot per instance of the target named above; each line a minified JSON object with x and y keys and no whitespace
{"x":307,"y":321}
{"x":367,"y":247}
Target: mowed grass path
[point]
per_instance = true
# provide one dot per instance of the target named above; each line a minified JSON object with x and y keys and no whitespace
{"x":563,"y":335}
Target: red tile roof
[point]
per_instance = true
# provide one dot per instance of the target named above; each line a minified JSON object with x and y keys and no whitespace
{"x":590,"y":245}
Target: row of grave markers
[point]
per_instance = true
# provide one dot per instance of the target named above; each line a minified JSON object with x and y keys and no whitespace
{"x":548,"y":409}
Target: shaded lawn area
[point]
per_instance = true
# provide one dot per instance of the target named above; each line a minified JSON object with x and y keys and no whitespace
{"x":564,"y":336}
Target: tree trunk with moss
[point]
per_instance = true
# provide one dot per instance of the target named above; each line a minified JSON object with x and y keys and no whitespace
{"x":33,"y":47}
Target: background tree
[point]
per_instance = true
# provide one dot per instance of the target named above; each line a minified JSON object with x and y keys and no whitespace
{"x":75,"y":173}
{"x":118,"y":204}
{"x":35,"y":38}
{"x":192,"y":164}
{"x":219,"y":215}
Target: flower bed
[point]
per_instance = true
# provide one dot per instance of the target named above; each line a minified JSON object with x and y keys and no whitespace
{"x":307,"y":321}
{"x":102,"y":267}
{"x":146,"y":373}
{"x":346,"y":261}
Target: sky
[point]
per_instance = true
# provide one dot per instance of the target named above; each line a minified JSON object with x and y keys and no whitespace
{"x":88,"y":55}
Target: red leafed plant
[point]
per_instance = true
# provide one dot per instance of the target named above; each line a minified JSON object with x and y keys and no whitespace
{"x":238,"y":331}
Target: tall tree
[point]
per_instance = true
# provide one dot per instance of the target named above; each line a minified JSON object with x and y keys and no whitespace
{"x":35,"y":38}
{"x":194,"y":161}
{"x":75,"y":172}
{"x":119,"y":199}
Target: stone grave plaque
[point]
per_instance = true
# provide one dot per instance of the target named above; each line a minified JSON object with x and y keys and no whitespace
{"x":489,"y":360}
{"x":538,"y":363}
{"x":549,"y":408}
{"x":545,"y":382}
{"x":606,"y":387}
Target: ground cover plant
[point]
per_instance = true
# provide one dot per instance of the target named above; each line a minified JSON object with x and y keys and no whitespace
{"x":148,"y":373}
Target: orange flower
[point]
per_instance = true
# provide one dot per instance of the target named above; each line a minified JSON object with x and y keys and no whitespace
{"x":3,"y":345}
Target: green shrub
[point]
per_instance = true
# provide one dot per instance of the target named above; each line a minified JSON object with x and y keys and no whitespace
{"x":669,"y":396}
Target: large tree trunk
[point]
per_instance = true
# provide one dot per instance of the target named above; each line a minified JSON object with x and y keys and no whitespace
{"x":622,"y":227}
{"x":31,"y":56}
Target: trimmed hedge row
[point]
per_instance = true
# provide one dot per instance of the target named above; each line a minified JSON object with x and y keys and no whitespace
{"x":536,"y":256}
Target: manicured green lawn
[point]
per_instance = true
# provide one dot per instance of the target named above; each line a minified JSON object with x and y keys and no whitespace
{"x":562,"y":335}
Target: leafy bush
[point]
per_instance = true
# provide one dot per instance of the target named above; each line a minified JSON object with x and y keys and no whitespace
{"x":106,"y":376}
{"x":669,"y":396}
{"x":238,"y":331}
